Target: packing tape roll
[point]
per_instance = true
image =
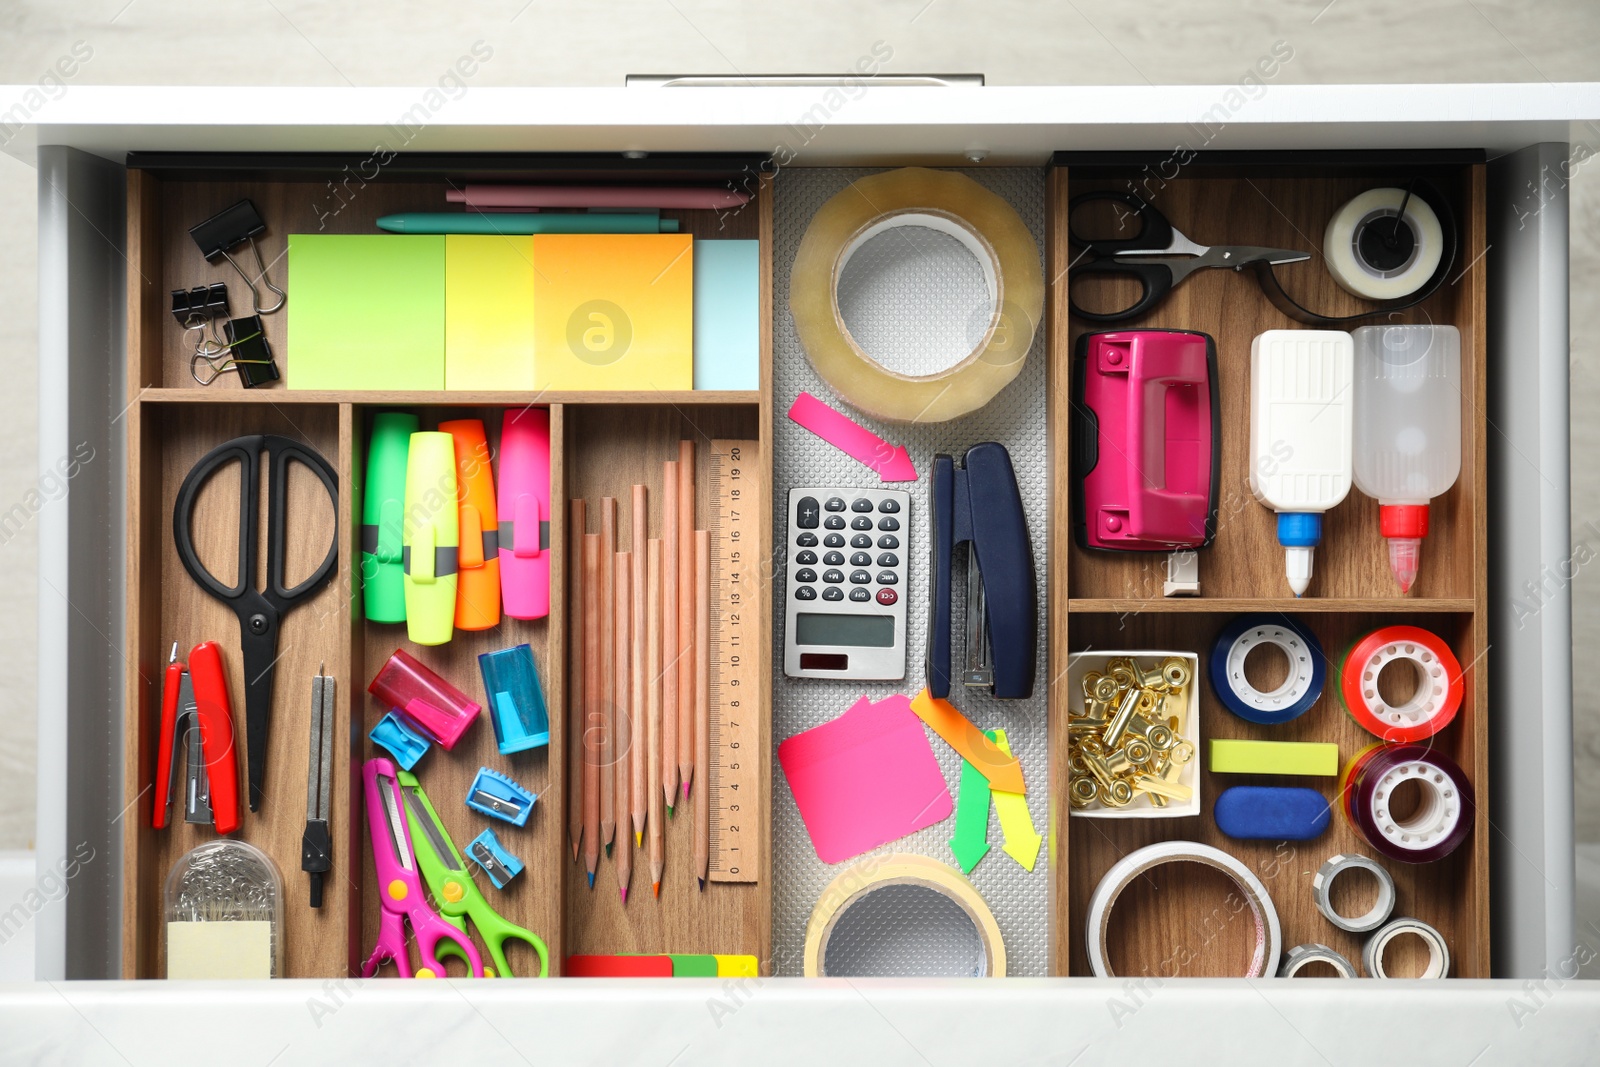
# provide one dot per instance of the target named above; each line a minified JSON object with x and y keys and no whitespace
{"x":1269,"y":935}
{"x":1438,"y":823}
{"x":876,"y":873}
{"x":1439,"y":683}
{"x":1364,"y":259}
{"x":955,"y":205}
{"x":1301,"y":689}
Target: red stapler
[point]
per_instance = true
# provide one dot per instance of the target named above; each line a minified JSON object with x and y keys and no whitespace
{"x":195,"y":712}
{"x":1145,"y":449}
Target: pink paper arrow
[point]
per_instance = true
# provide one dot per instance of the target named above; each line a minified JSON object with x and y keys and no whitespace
{"x":892,"y":462}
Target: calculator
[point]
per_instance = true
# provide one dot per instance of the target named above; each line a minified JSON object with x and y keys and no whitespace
{"x":846,"y":610}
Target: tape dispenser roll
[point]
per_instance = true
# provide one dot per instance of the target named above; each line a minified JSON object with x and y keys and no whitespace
{"x":903,"y":915}
{"x":1268,"y":933}
{"x":1377,"y":252}
{"x":1433,"y":703}
{"x":940,"y":200}
{"x":1300,"y":689}
{"x":1433,"y":827}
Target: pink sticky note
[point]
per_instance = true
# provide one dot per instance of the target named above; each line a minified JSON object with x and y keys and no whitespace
{"x":866,"y":778}
{"x":892,"y":462}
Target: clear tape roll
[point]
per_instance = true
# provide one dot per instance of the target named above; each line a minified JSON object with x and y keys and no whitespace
{"x":1268,"y":932}
{"x":875,"y":873}
{"x":953,"y":204}
{"x":1356,"y":236}
{"x":1377,"y":946}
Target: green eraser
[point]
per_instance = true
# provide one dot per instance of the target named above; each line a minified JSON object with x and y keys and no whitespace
{"x":1230,"y":756}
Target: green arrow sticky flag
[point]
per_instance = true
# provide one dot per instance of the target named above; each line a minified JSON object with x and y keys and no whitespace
{"x":971,"y":841}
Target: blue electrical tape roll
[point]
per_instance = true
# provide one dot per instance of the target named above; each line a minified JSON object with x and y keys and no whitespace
{"x":1307,"y":668}
{"x":1271,"y":813}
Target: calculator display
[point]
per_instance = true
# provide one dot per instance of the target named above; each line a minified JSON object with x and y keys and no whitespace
{"x":861,"y":631}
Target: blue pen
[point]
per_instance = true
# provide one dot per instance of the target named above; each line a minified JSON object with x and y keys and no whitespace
{"x":516,"y":224}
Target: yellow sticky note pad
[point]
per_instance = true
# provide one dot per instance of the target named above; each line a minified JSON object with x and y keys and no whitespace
{"x":488,"y":311}
{"x":219,"y":950}
{"x":613,"y":311}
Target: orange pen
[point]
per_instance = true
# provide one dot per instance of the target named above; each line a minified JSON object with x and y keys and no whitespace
{"x":478,"y":558}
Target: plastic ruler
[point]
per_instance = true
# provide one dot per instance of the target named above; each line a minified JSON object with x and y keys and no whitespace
{"x":737,"y":699}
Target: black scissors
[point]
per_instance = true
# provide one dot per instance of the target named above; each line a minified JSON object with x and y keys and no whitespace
{"x":259,"y":610}
{"x":1158,"y":255}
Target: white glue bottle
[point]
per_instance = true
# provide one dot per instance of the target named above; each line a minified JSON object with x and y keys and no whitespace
{"x":1407,"y":430}
{"x":1301,"y":399}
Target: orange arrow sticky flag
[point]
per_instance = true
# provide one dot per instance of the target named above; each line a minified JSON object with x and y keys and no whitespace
{"x":1002,"y":769}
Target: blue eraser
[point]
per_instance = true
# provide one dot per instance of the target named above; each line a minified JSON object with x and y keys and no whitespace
{"x":1271,"y":813}
{"x":500,"y":865}
{"x":405,"y":744}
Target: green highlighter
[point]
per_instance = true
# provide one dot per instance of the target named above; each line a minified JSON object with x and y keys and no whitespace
{"x":382,"y":514}
{"x":429,"y":538}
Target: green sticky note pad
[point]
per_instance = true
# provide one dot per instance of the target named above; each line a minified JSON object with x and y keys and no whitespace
{"x":1229,"y":756}
{"x":693,"y":966}
{"x":366,"y":311}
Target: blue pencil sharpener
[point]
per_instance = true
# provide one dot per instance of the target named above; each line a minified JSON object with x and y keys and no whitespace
{"x":516,"y":700}
{"x":405,"y":744}
{"x":493,"y":793}
{"x":500,"y":865}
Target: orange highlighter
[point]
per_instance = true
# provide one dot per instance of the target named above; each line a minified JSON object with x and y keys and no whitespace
{"x":478,"y":583}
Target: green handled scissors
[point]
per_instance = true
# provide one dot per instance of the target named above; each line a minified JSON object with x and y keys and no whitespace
{"x":456,"y":895}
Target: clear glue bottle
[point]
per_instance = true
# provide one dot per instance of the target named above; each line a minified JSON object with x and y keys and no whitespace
{"x":1300,"y":435}
{"x":1408,"y":430}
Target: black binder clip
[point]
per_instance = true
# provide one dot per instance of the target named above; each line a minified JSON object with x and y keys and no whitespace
{"x":227,"y":230}
{"x":246,"y":351}
{"x":195,"y":307}
{"x":979,"y":504}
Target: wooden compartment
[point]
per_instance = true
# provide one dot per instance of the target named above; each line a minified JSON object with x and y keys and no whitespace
{"x":600,"y":442}
{"x":1104,"y":600}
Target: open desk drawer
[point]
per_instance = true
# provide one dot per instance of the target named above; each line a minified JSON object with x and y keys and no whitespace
{"x":604,"y":442}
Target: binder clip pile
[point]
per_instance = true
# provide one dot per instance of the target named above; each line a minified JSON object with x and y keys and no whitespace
{"x":242,"y":346}
{"x":979,"y":504}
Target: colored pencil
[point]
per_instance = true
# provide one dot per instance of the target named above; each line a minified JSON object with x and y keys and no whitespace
{"x":624,"y":605}
{"x":702,"y":701}
{"x":686,"y":596}
{"x":591,"y":688}
{"x":652,"y":655}
{"x":636,"y":746}
{"x":669,"y":632}
{"x":575,"y":672}
{"x":608,"y":651}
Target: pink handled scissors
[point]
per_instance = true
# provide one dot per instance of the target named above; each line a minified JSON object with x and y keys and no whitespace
{"x":399,"y":890}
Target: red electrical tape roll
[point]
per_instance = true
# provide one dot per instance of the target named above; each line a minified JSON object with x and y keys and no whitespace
{"x":1442,"y":818}
{"x":1439,"y":683}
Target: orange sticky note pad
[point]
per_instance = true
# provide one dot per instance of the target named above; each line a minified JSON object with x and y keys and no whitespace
{"x":613,"y":311}
{"x":1003,"y":771}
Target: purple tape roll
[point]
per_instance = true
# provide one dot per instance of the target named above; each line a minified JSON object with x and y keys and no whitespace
{"x":1441,"y":819}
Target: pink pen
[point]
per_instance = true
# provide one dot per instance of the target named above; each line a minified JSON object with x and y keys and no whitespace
{"x":400,"y":894}
{"x":524,"y":512}
{"x":482,"y":197}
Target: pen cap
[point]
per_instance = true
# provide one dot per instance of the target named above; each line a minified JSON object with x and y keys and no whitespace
{"x":382,"y":517}
{"x":516,"y":701}
{"x":438,"y":708}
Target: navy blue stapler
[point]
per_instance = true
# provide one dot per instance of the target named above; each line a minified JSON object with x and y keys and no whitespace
{"x":978,"y":504}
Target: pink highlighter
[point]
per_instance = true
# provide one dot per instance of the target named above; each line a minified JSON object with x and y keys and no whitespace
{"x":1145,"y":446}
{"x":524,"y":512}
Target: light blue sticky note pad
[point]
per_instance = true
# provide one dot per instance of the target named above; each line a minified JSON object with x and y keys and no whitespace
{"x":727,"y":314}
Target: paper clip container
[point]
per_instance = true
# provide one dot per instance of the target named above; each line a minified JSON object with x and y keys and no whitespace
{"x":516,"y":701}
{"x":438,"y":708}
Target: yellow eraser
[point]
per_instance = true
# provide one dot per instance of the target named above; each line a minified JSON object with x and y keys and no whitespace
{"x":1229,"y":756}
{"x":736,"y":967}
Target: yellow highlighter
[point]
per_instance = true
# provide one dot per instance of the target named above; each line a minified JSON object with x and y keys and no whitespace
{"x":430,"y":538}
